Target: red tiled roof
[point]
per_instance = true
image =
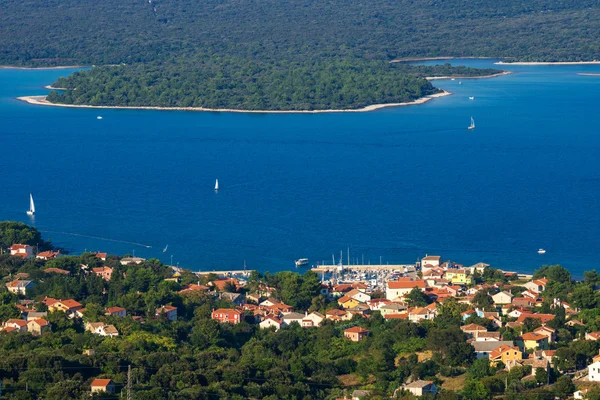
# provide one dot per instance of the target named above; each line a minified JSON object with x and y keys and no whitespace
{"x":227,"y":311}
{"x":542,"y":317}
{"x":533,"y":336}
{"x":498,"y":351}
{"x":41,"y":322}
{"x":57,"y":271}
{"x":406,"y":284}
{"x":19,"y":322}
{"x":101,"y":382}
{"x":112,"y":310}
{"x":357,"y":329}
{"x":70,"y":303}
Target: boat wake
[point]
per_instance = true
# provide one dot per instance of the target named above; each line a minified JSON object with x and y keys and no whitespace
{"x":99,"y":238}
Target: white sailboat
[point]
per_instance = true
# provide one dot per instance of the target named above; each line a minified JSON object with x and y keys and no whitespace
{"x":471,"y":97}
{"x":217,"y":185}
{"x":31,"y":210}
{"x":472,"y":126}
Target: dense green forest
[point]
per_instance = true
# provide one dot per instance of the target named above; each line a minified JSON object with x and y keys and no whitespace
{"x":239,"y":84}
{"x":280,"y":55}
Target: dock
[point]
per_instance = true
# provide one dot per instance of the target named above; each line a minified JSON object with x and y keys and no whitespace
{"x":364,"y":268}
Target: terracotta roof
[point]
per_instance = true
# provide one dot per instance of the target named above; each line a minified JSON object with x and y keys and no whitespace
{"x":473,"y":327}
{"x":57,"y":271}
{"x":227,"y":311}
{"x":498,"y":351}
{"x":17,"y":246}
{"x":41,"y":322}
{"x":356,"y":329}
{"x":19,"y":322}
{"x":112,"y":310}
{"x":533,"y":336}
{"x":48,"y":254}
{"x":101,"y":255}
{"x":396,"y":316}
{"x":70,"y":303}
{"x":101,"y":382}
{"x":542,"y":317}
{"x":406,"y":284}
{"x":432,"y":258}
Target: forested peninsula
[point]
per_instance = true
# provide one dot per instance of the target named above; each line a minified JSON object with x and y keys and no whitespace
{"x":280,"y":55}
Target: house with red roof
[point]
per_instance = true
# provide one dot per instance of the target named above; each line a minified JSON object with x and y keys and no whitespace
{"x":47,"y":255}
{"x":269,"y":322}
{"x":230,"y":315}
{"x":68,"y":306}
{"x":103,"y":385}
{"x":537,"y":285}
{"x":193,"y":288}
{"x":103,"y":272}
{"x":532,"y":341}
{"x":21,"y":250}
{"x":101,"y":256}
{"x":38,"y":326}
{"x":402,"y":287}
{"x":116,"y":312}
{"x":56,"y":271}
{"x":356,"y":333}
{"x":19,"y":287}
{"x":170,"y":312}
{"x":543,"y":318}
{"x":19,"y":325}
{"x":221,"y":283}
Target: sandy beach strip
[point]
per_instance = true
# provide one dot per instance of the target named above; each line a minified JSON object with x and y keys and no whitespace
{"x":548,"y":63}
{"x":54,"y":88}
{"x":41,"y":100}
{"x":441,"y":58}
{"x":41,"y":68}
{"x":436,"y":78}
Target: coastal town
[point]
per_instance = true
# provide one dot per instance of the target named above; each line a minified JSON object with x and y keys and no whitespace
{"x":518,"y":327}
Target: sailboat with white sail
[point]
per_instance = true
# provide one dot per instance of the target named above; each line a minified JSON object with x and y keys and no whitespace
{"x":472,"y":126}
{"x":217,"y":185}
{"x":31,"y":210}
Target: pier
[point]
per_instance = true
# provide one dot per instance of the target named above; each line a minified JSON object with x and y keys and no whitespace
{"x":364,"y":268}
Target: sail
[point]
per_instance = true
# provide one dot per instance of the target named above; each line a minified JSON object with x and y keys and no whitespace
{"x":217,"y":185}
{"x":31,"y":204}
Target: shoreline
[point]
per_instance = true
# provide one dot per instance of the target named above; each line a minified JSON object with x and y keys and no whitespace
{"x":50,"y":87}
{"x":441,"y":58}
{"x":436,"y":78}
{"x":41,"y":100}
{"x":40,"y":68}
{"x":595,"y":62}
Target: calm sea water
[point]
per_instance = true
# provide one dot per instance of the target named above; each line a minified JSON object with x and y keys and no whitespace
{"x":396,"y":183}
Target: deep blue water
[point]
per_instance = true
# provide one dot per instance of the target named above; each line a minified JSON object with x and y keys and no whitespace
{"x":396,"y":183}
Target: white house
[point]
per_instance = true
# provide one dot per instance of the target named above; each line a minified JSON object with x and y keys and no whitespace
{"x":402,"y":287}
{"x":19,"y":287}
{"x":419,"y":388}
{"x":537,"y":285}
{"x":21,"y":250}
{"x":312,"y":319}
{"x":292,"y":317}
{"x":434,"y":261}
{"x":594,"y":372}
{"x":358,"y":295}
{"x":269,"y":322}
{"x":503,"y":297}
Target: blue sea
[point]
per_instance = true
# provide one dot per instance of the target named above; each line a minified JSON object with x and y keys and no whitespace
{"x":395,"y":184}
